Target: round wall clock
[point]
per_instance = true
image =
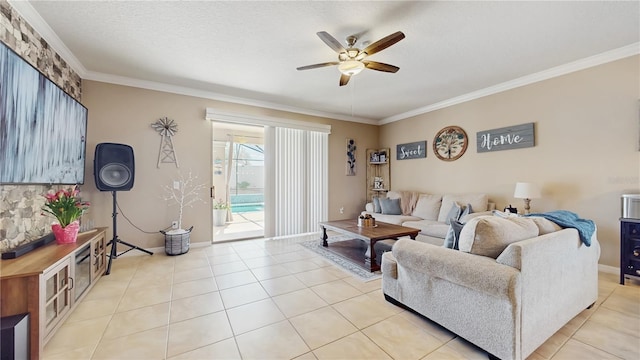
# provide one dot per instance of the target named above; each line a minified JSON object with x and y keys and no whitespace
{"x":450,"y":143}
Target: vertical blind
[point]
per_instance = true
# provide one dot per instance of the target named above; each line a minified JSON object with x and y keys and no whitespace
{"x":300,"y":180}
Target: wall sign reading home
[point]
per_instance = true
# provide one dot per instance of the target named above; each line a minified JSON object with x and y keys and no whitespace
{"x":506,"y":138}
{"x":414,"y":150}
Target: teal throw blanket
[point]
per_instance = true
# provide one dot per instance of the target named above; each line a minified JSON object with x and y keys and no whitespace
{"x":568,"y":219}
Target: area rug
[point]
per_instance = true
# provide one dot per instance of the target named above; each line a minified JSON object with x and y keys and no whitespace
{"x":353,"y":269}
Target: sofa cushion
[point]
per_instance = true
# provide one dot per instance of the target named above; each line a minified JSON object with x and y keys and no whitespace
{"x":368,"y":207}
{"x":429,"y":227}
{"x":478,"y":202}
{"x":545,"y":226}
{"x":390,"y":206}
{"x":490,"y":235}
{"x":393,"y":195}
{"x":428,"y":207}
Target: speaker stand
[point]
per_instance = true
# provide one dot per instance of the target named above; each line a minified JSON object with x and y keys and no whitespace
{"x":114,"y":242}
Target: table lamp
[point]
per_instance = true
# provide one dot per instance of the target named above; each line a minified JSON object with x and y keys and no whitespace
{"x":526,"y":191}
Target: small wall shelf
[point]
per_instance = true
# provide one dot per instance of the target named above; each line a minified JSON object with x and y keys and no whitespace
{"x":378,"y":172}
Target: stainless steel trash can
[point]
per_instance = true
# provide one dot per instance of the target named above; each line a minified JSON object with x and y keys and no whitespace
{"x":631,"y":206}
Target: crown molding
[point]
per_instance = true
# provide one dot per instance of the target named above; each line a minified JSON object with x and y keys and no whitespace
{"x":574,"y":66}
{"x":33,"y":18}
{"x":181,"y":90}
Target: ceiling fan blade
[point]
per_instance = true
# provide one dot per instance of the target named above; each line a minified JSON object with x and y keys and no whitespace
{"x":315,"y":66}
{"x":374,"y":65}
{"x":384,"y":43}
{"x":331,"y":41}
{"x":344,"y":79}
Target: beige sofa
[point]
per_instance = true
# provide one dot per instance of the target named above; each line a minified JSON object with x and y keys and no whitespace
{"x":512,"y":285}
{"x":429,"y":214}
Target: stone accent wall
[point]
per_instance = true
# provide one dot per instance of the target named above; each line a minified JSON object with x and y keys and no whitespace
{"x":21,"y":220}
{"x":23,"y":39}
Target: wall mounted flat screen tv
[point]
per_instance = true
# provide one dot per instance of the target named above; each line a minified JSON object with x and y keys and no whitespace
{"x":42,"y":128}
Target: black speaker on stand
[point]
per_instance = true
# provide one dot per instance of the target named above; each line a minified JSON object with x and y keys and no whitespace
{"x":113,"y":170}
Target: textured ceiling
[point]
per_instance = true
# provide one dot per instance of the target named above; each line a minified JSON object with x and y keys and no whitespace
{"x":248,"y":51}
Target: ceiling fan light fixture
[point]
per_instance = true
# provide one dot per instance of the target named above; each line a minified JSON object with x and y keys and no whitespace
{"x":350,"y":67}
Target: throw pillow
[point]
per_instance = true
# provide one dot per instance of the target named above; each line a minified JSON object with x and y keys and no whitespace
{"x":454,"y":213}
{"x":390,"y":206}
{"x":467,"y":210}
{"x":451,"y":240}
{"x":428,"y":207}
{"x":490,"y":235}
{"x":376,"y":205}
{"x":478,"y":201}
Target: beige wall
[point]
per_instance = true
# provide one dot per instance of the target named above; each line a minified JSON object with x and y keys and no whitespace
{"x":587,"y":130}
{"x":123,"y":114}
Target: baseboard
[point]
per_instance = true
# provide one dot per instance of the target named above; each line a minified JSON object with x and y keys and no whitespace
{"x":608,"y":269}
{"x":157,"y":250}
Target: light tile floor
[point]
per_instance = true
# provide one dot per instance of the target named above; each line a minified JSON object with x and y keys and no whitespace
{"x":245,"y":225}
{"x":273,"y":299}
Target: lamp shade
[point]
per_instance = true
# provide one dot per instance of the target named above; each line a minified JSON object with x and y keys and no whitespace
{"x":526,"y":191}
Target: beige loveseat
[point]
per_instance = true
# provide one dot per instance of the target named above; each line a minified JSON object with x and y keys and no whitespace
{"x":429,"y":212}
{"x":513,"y":284}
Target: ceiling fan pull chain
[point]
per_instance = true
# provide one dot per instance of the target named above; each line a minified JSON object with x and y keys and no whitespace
{"x":352,"y":86}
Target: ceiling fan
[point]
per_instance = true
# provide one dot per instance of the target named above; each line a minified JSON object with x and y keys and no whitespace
{"x":352,"y":60}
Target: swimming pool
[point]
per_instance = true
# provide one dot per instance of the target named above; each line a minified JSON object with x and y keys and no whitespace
{"x":237,"y":208}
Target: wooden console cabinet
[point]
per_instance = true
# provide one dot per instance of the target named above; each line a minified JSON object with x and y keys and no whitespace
{"x":49,"y":281}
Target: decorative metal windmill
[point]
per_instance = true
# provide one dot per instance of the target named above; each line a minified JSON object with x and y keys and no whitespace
{"x":166,"y":128}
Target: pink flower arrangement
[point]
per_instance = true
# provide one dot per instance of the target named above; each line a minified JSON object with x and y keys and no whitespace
{"x":65,"y":205}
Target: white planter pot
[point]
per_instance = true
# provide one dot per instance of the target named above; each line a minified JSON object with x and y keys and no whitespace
{"x":219,"y":217}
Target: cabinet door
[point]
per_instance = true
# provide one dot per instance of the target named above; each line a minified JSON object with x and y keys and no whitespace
{"x":98,"y":257}
{"x":57,"y":299}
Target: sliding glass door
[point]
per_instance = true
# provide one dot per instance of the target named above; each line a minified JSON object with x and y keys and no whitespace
{"x":238,"y":179}
{"x":273,"y":173}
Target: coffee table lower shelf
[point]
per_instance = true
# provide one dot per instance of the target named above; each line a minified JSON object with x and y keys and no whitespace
{"x":353,"y":250}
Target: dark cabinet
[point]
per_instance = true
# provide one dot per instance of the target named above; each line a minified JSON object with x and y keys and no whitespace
{"x":629,"y":248}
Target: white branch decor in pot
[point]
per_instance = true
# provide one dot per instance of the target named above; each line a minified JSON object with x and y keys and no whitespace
{"x":184,"y":192}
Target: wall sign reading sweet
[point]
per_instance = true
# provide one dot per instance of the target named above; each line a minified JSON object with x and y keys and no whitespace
{"x":412,"y":150}
{"x":506,"y":138}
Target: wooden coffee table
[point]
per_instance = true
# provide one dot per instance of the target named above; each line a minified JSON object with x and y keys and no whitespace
{"x":359,"y":250}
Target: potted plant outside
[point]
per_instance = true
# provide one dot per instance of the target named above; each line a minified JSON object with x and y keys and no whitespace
{"x":220,"y":209}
